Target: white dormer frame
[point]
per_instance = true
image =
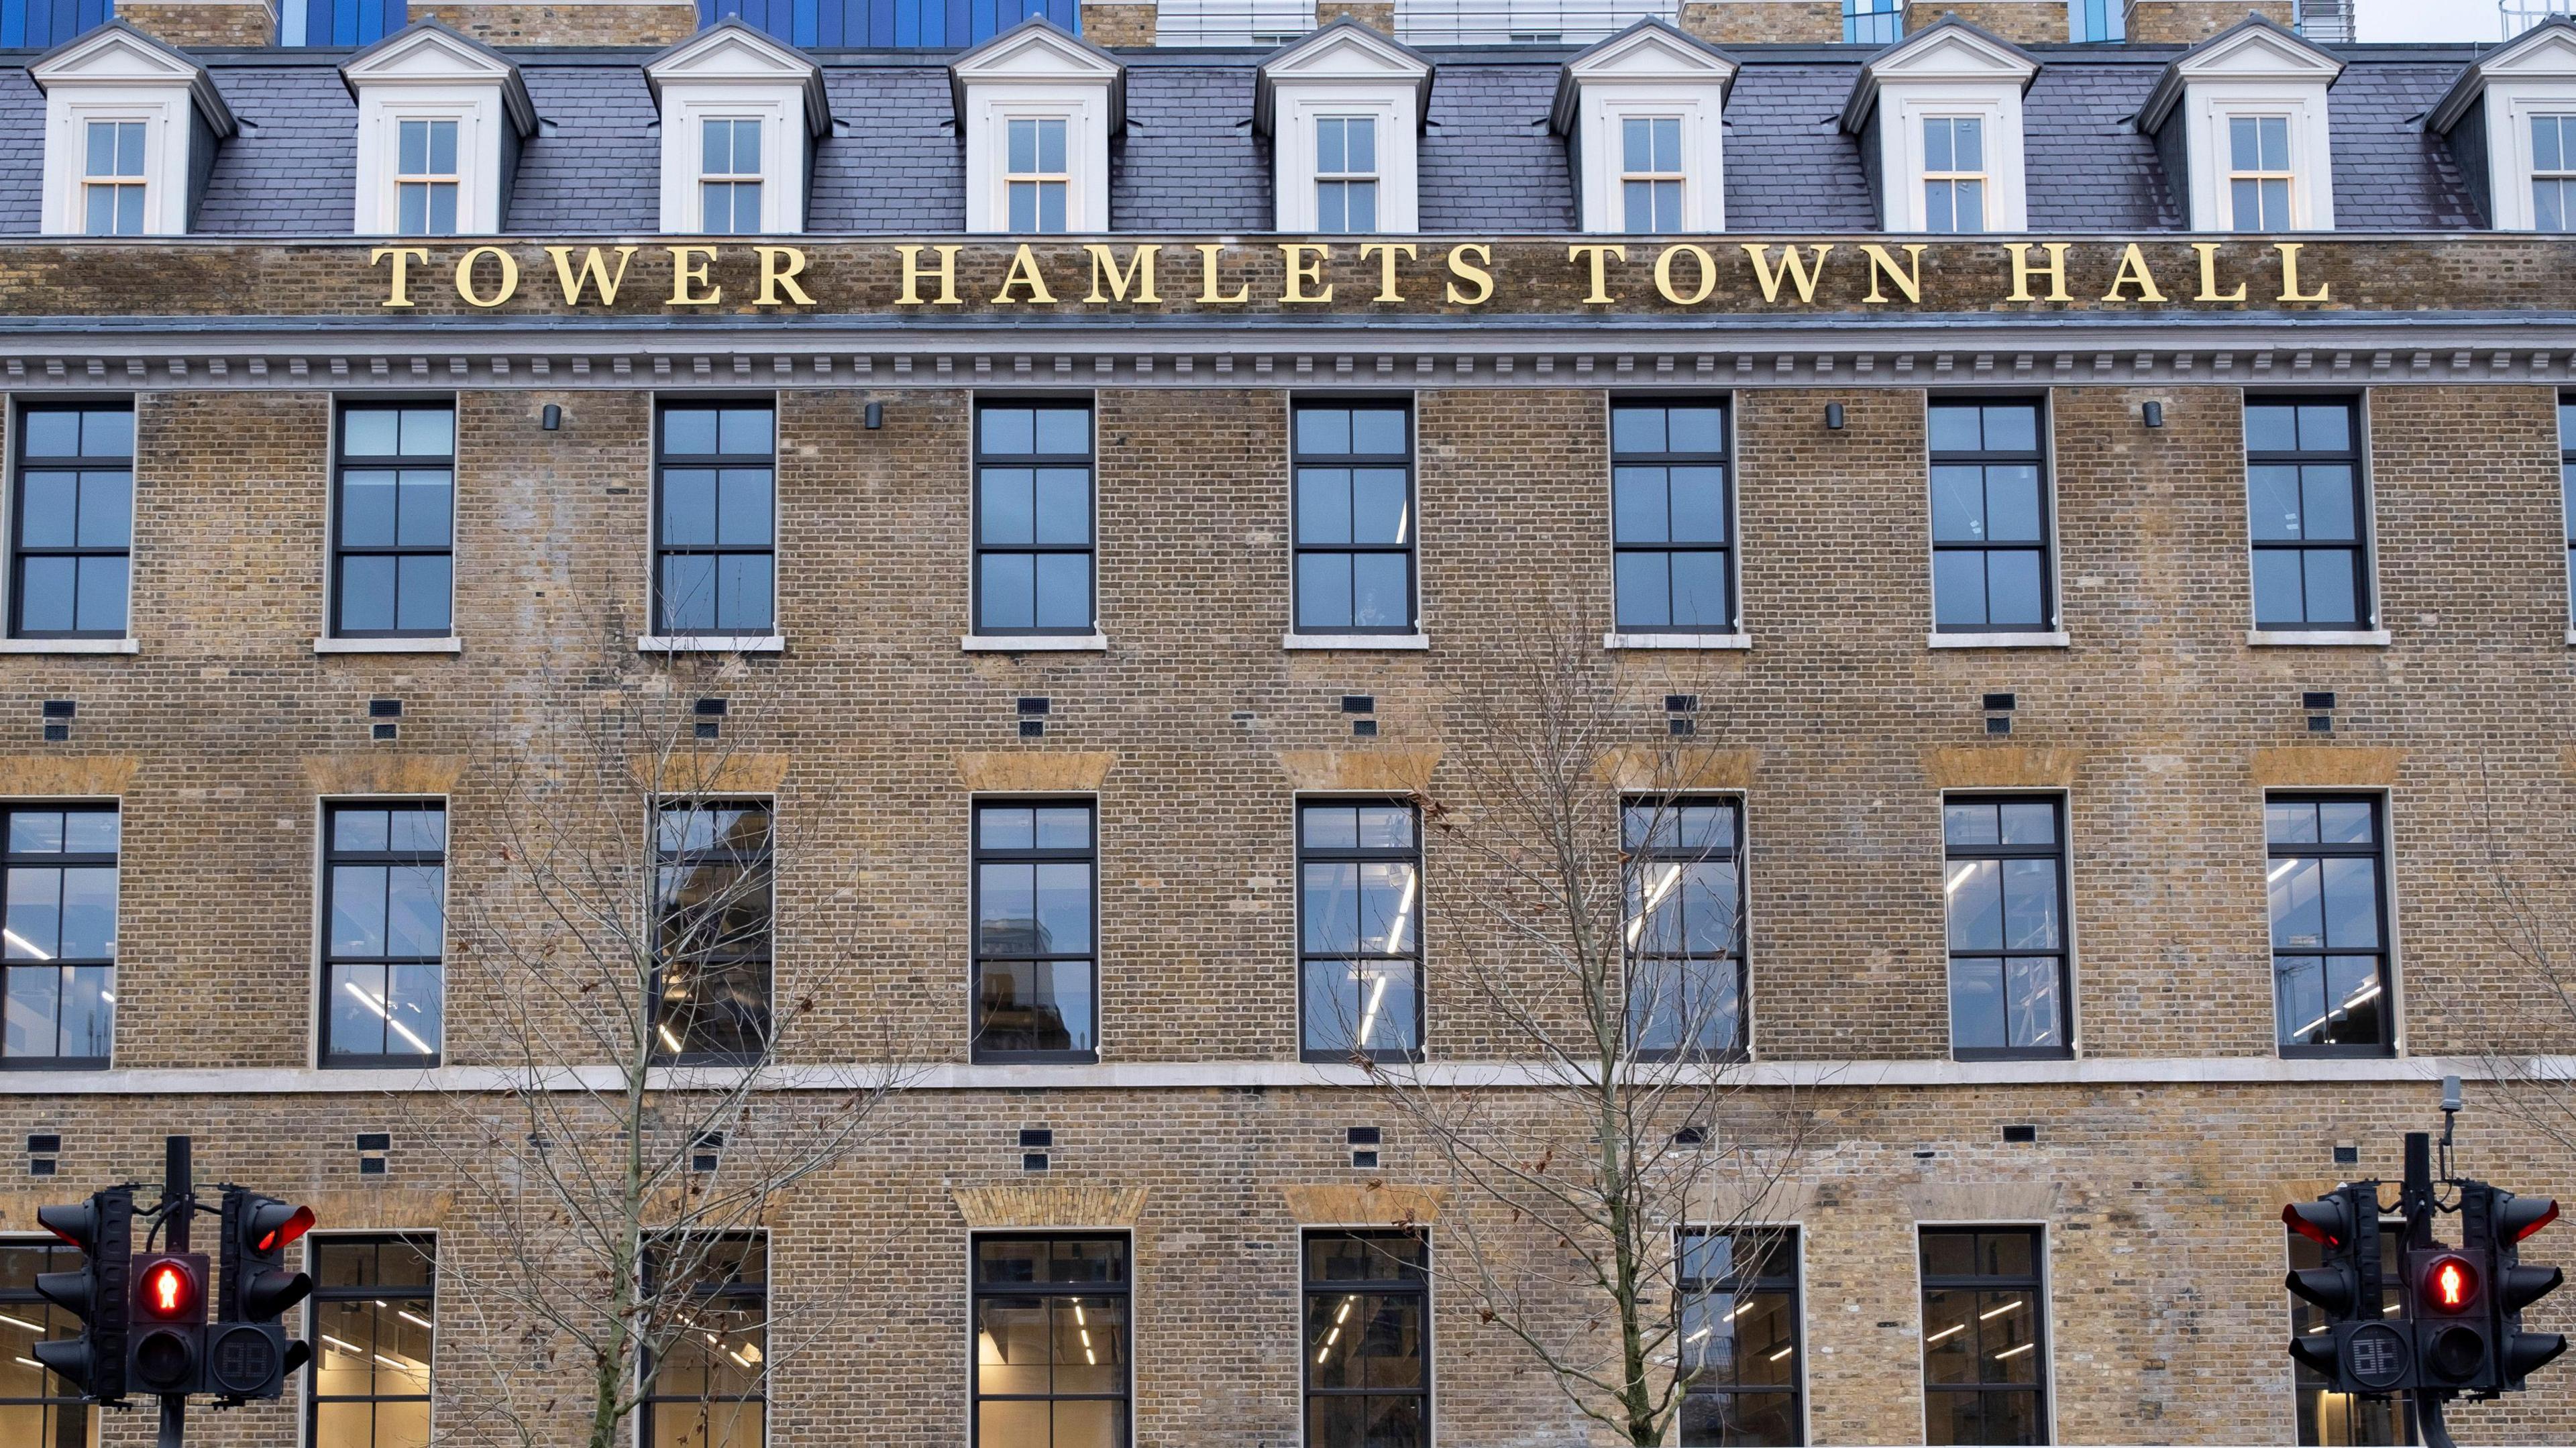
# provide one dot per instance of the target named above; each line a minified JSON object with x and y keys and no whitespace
{"x":117,"y":73}
{"x":728,"y":72}
{"x":427,"y":72}
{"x":2254,"y":69}
{"x":1036,"y":71}
{"x":2492,"y":106}
{"x":1344,"y":69}
{"x":1947,"y":70}
{"x":1649,"y":71}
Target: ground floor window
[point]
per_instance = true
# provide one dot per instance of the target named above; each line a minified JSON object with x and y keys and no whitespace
{"x":1985,"y":1354}
{"x":707,"y":1387}
{"x":372,"y":1326}
{"x":34,"y":1410}
{"x":1051,"y":1342}
{"x":2328,"y":1419}
{"x":1368,"y":1340}
{"x":1739,"y":1329}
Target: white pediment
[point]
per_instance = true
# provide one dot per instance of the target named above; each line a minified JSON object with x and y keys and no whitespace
{"x":427,"y":51}
{"x":117,"y":54}
{"x":731,"y":53}
{"x":1036,"y":50}
{"x":2543,"y":54}
{"x":1345,"y":50}
{"x":1952,"y":50}
{"x":1652,"y":50}
{"x":2257,"y":49}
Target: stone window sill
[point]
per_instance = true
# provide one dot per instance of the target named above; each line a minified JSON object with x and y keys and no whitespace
{"x":2316,"y":638}
{"x":448,"y":645}
{"x":1677,"y":641}
{"x":2056,"y":640}
{"x":1090,"y":643}
{"x":711,"y":644}
{"x":69,"y":646}
{"x":1385,"y":642}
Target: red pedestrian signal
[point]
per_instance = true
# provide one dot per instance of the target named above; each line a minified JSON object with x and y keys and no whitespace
{"x":169,"y":1334}
{"x":168,"y":1292}
{"x":2451,"y":1285}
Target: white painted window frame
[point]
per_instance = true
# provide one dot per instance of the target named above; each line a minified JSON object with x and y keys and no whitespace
{"x":2512,"y":166}
{"x":481,"y":131}
{"x":2208,"y":109}
{"x":992,"y":106}
{"x":165,"y":114}
{"x":780,"y":109}
{"x":1904,"y":106}
{"x":1601,"y":160}
{"x":1396,"y":108}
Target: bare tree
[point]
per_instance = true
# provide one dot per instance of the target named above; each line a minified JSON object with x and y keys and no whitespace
{"x":1607,"y":1180}
{"x":628,"y":1121}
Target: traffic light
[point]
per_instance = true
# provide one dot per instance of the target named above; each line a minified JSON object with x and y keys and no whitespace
{"x":168,"y":1337}
{"x":2510,"y":1219}
{"x":2354,"y":1350}
{"x":248,"y":1354}
{"x":102,"y":1228}
{"x":2453,"y":1330}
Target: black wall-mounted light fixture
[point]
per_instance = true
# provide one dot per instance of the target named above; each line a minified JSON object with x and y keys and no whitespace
{"x":551,"y":419}
{"x":875,"y":415}
{"x":1834,"y":416}
{"x":2155,"y":414}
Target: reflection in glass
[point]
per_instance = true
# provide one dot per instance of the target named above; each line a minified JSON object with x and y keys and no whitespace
{"x":1367,"y":1340}
{"x":1359,"y":928}
{"x":712,"y":904}
{"x":58,"y":936}
{"x":1034,"y":931}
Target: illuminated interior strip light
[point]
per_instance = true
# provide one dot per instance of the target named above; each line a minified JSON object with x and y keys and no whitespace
{"x":1945,"y":1332}
{"x":2000,"y":1311}
{"x":2012,"y":1352}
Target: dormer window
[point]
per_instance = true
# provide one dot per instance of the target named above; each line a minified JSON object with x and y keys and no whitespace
{"x":1343,"y":108}
{"x":2241,"y":121}
{"x":425,"y":179}
{"x":131,"y":128}
{"x":440,"y":119}
{"x":113,"y":189}
{"x":1644,"y":115}
{"x":1954,"y":173}
{"x":1939,"y":116}
{"x":2511,"y":120}
{"x":729,"y":177}
{"x":740,"y":113}
{"x":1346,"y":174}
{"x":1038,"y":108}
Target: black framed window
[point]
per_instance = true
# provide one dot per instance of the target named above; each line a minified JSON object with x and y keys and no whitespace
{"x":2309,"y":518}
{"x":1036,"y":901}
{"x":1354,"y":517}
{"x":72,"y":534}
{"x":712,"y":899}
{"x":1359,"y":928}
{"x":708,"y":1387}
{"x":2345,"y":1420}
{"x":60,"y":955}
{"x":1368,"y":1340}
{"x":2329,"y":888}
{"x":1052,"y":1342}
{"x":1672,"y":517}
{"x":1742,"y":1377}
{"x":372,"y":1321}
{"x":385,"y":923}
{"x":34,"y":1410}
{"x":1985,"y":1349}
{"x":715,"y":527}
{"x":1033,"y":538}
{"x":1990,"y":548}
{"x":1683,"y":860}
{"x":392,"y":523}
{"x":2567,"y":492}
{"x":2004,"y":873}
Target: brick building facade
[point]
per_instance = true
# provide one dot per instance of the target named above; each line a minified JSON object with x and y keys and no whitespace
{"x":204,"y":407}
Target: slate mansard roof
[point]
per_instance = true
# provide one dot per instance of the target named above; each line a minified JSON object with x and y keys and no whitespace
{"x":1189,"y":160}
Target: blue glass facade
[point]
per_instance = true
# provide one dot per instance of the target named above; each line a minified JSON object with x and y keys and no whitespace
{"x":817,"y":24}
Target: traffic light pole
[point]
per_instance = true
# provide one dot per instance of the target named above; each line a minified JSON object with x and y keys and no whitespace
{"x":178,"y":1204}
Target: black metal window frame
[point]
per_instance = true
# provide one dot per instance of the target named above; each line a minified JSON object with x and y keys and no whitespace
{"x":391,"y":858}
{"x":1726,"y":548}
{"x":1635,"y":857}
{"x":2057,"y":851}
{"x":1410,"y":550}
{"x":24,"y":463}
{"x":2386,"y":952}
{"x":1414,"y":957}
{"x":30,"y":1307}
{"x":766,"y":957}
{"x":1088,"y":549}
{"x":2308,"y":1386}
{"x":423,"y":1244}
{"x":664,"y":460}
{"x":978,"y":1291}
{"x":2362,"y":546}
{"x":10,"y":863}
{"x":1416,"y":1283}
{"x":733,"y":1294}
{"x":1781,"y":1243}
{"x":342,"y":462}
{"x":2567,"y":490}
{"x":2037,"y":457}
{"x":978,"y":857}
{"x":2036,"y":1284}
